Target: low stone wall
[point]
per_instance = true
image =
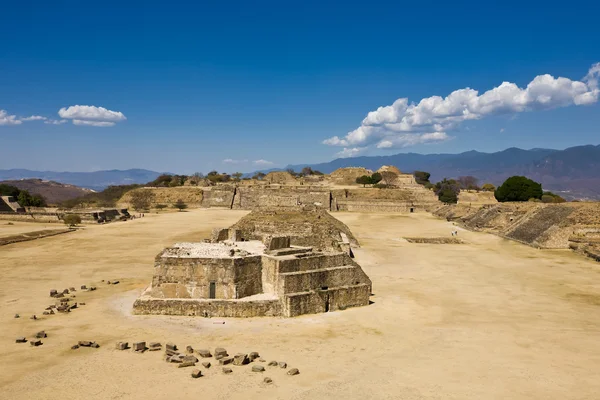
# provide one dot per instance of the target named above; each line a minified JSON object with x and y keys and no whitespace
{"x":333,"y":299}
{"x":200,"y":308}
{"x":294,"y":282}
{"x":26,"y":217}
{"x":218,"y":197}
{"x":252,"y":197}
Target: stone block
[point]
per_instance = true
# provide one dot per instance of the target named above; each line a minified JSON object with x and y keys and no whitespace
{"x":122,"y":346}
{"x":171,"y":346}
{"x":258,"y":368}
{"x":85,"y":343}
{"x":66,"y":291}
{"x":53,"y":292}
{"x":75,"y":347}
{"x":219,"y":235}
{"x":83,"y":287}
{"x":189,"y":349}
{"x":272,"y":363}
{"x":225,"y":360}
{"x":190,"y":358}
{"x":154,"y":346}
{"x":92,"y":288}
{"x":206,"y":364}
{"x":277,"y":242}
{"x":186,"y":364}
{"x":72,"y":289}
{"x":95,"y":345}
{"x":241,"y":359}
{"x":171,"y":352}
{"x":204,"y":353}
{"x":196,"y":373}
{"x":36,"y":342}
{"x":293,"y":371}
{"x":220,"y":352}
{"x":41,"y":335}
{"x":253,"y":355}
{"x":267,"y":380}
{"x":282,"y":364}
{"x":21,"y":340}
{"x":139,"y":346}
{"x":227,"y":370}
{"x":17,"y":316}
{"x":176,"y":358}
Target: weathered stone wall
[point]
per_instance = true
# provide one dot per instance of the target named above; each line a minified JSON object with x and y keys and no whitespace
{"x":252,"y":197}
{"x":319,"y":301}
{"x":176,"y":277}
{"x":220,"y":196}
{"x":45,"y":218}
{"x":190,"y":195}
{"x":294,"y":264}
{"x":384,"y":200}
{"x":221,"y":308}
{"x":294,"y":282}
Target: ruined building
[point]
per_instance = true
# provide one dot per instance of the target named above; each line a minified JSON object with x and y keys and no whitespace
{"x":246,"y":272}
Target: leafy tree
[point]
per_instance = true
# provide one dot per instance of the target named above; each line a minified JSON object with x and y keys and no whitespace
{"x":518,"y":188}
{"x":180,"y":205}
{"x":376,"y":178}
{"x":9,"y":190}
{"x":364,"y":180}
{"x":448,"y":196}
{"x":237,"y":176}
{"x":488,"y":187}
{"x":141,"y":199}
{"x":259,"y":176}
{"x":388,"y":177}
{"x":161,"y":207}
{"x":447,"y":190}
{"x":422,"y":177}
{"x":71,"y":219}
{"x":25,"y":199}
{"x":291,"y":172}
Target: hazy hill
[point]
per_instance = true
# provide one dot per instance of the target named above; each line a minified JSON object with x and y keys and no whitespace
{"x":53,"y":192}
{"x":97,"y":180}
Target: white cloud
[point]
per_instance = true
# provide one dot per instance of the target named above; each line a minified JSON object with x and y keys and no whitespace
{"x":56,"y":121}
{"x":231,"y":161}
{"x":501,"y":130}
{"x":6,"y":119}
{"x":34,"y":118}
{"x":263,"y":162}
{"x":102,"y":124}
{"x":91,"y":115}
{"x":350,"y":152}
{"x":405,"y":124}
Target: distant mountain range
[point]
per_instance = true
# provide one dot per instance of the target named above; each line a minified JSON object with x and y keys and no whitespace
{"x":574,"y":172}
{"x":53,"y":192}
{"x":97,"y":180}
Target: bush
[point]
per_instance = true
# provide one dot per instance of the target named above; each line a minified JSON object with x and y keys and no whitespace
{"x":447,"y":191}
{"x":422,"y":177}
{"x":180,"y":205}
{"x":72,"y":219}
{"x":518,"y":188}
{"x":488,"y":187}
{"x":364,"y":180}
{"x":161,"y":206}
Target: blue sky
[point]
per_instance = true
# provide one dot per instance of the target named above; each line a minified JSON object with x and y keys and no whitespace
{"x":187,"y":85}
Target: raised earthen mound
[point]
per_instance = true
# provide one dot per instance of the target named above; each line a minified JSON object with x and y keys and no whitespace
{"x":280,"y":177}
{"x":347,"y":176}
{"x":314,"y":228}
{"x":389,"y":168}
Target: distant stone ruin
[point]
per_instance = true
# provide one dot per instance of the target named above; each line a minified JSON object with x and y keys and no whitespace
{"x":246,"y":272}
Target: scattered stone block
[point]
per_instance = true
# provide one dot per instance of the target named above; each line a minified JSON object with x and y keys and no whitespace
{"x":177,"y":358}
{"x":75,"y":347}
{"x":36,"y":342}
{"x":293,"y":371}
{"x":190,"y":358}
{"x":282,"y":364}
{"x":273,"y":363}
{"x":220,"y":352}
{"x":196,"y":373}
{"x":83,"y":287}
{"x":95,"y":345}
{"x":171,"y":346}
{"x":82,"y":304}
{"x":72,"y":289}
{"x":241,"y":359}
{"x":189,"y":349}
{"x":262,"y":360}
{"x":154,"y":346}
{"x":206,"y":364}
{"x":53,"y":292}
{"x":267,"y":380}
{"x":204,"y":353}
{"x":227,"y":370}
{"x":84,"y":343}
{"x":139,"y":346}
{"x":33,"y":317}
{"x":171,"y":352}
{"x":92,"y":288}
{"x":41,"y":335}
{"x":186,"y":364}
{"x":253,"y":355}
{"x":46,"y":313}
{"x":21,"y":340}
{"x":72,"y":306}
{"x":225,"y":360}
{"x":66,"y":291}
{"x":115,"y":282}
{"x":64,"y":300}
{"x":17,"y":316}
{"x":258,"y":368}
{"x":122,"y":345}
{"x":59,"y":295}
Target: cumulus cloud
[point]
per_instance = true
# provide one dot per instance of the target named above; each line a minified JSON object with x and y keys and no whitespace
{"x":34,"y":118}
{"x":91,"y":115}
{"x":405,"y":124}
{"x":56,"y":121}
{"x":6,"y":119}
{"x":101,"y":124}
{"x":350,"y":152}
{"x":232,"y":161}
{"x":263,"y":162}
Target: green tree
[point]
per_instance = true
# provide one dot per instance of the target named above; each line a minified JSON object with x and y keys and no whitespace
{"x":71,"y":219}
{"x":364,"y":180}
{"x":237,"y":176}
{"x":447,"y":191}
{"x":180,"y":205}
{"x":518,"y":188}
{"x":9,"y":190}
{"x":488,"y":187}
{"x":376,"y":178}
{"x":422,"y":177}
{"x":259,"y":176}
{"x":161,"y":207}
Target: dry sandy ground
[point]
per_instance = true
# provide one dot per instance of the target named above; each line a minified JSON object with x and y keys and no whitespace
{"x":11,"y":228}
{"x":490,"y":319}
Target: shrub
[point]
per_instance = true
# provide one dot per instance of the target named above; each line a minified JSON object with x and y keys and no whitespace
{"x":488,"y":187}
{"x":447,"y":191}
{"x":422,"y":177}
{"x":518,"y":188}
{"x":180,"y":205}
{"x":72,"y":219}
{"x":161,"y":206}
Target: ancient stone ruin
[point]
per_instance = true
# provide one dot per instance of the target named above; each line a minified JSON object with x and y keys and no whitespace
{"x":247,"y":271}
